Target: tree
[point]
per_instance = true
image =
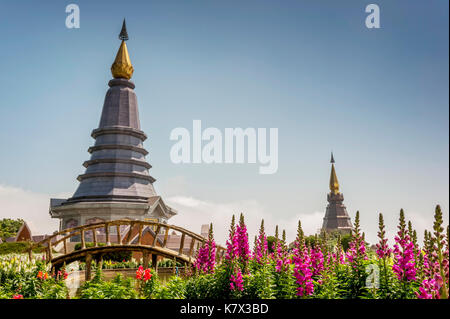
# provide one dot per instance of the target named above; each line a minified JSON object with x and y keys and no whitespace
{"x":270,"y":241}
{"x":9,"y":227}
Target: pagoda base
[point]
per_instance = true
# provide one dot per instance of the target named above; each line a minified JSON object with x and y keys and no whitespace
{"x":82,"y":213}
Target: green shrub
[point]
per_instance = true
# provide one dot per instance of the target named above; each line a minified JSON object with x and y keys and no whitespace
{"x":118,"y":288}
{"x":175,"y":288}
{"x":168,"y":263}
{"x":26,"y":282}
{"x":115,"y":256}
{"x":20,"y":247}
{"x":9,"y":227}
{"x":201,"y":287}
{"x":270,"y":241}
{"x":259,"y":285}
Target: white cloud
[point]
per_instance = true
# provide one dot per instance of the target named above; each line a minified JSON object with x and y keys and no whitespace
{"x":192,"y":213}
{"x":30,"y":206}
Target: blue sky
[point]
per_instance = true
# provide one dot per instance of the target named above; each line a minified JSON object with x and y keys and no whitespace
{"x":377,"y":98}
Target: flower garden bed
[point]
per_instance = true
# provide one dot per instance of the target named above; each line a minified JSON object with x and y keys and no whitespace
{"x":313,"y":268}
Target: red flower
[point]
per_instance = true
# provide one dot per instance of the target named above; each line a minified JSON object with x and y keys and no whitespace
{"x":17,"y":297}
{"x":142,"y":274}
{"x":147,"y":275}
{"x":40,"y":275}
{"x":139,"y":272}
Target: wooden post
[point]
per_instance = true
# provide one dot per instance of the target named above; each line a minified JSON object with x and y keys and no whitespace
{"x":88,"y":267}
{"x":140,"y":234}
{"x":181,"y":244}
{"x":30,"y":253}
{"x":119,"y":240}
{"x":145,"y":259}
{"x":174,"y":266}
{"x":94,"y":236}
{"x":108,"y":240}
{"x":156,"y":236}
{"x":191,"y":248}
{"x":65,"y":245}
{"x":50,"y":254}
{"x":83,"y":242}
{"x":128,"y":239}
{"x":166,"y":235}
{"x":47,"y":256}
{"x":100,"y":262}
{"x":155,"y":262}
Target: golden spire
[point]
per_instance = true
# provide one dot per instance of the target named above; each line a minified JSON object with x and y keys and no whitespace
{"x":334,"y":184}
{"x":122,"y":67}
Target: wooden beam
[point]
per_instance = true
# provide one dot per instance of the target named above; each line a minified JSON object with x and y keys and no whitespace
{"x":191,"y":248}
{"x":155,"y":262}
{"x":145,"y":256}
{"x":83,"y":242}
{"x":140,"y":234}
{"x":50,"y":253}
{"x":100,"y":262}
{"x":166,"y":235}
{"x":87,"y":273}
{"x":119,"y":240}
{"x":174,"y":266}
{"x":127,"y":241}
{"x":65,"y":246}
{"x":108,"y":240}
{"x":181,"y":244}
{"x":156,"y":236}
{"x":94,"y":236}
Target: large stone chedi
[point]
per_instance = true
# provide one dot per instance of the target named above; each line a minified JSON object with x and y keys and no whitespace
{"x":116,"y":183}
{"x":336,"y":216}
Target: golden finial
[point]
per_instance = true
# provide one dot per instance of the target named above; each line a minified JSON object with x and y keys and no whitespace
{"x":122,"y":67}
{"x":334,"y":184}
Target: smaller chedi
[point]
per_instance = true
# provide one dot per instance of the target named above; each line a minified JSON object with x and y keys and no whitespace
{"x":116,"y":183}
{"x":336,"y":216}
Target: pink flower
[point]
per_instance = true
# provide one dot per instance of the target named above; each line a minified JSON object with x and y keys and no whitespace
{"x":302,"y":273}
{"x":243,"y":250}
{"x":261,"y":250}
{"x":429,"y":289}
{"x":404,"y":262}
{"x":206,"y":255}
{"x":316,"y":261}
{"x":237,"y":281}
{"x":206,"y":258}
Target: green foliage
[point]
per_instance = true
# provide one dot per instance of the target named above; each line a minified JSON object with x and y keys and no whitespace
{"x":259,"y":284}
{"x":168,"y":263}
{"x":118,"y":288}
{"x":202,"y":287}
{"x":118,"y":256}
{"x":311,"y":240}
{"x":9,"y":227}
{"x":25,"y":281}
{"x":175,"y":288}
{"x":18,"y":248}
{"x":345,"y":241}
{"x":270,"y":241}
{"x":329,"y":287}
{"x":284,"y":283}
{"x":148,"y":287}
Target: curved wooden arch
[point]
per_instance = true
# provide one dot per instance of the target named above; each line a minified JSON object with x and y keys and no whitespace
{"x":132,"y":241}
